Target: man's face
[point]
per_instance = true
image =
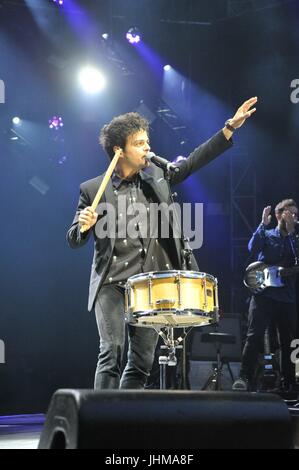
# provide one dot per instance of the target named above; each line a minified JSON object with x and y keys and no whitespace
{"x":289,"y":213}
{"x":136,"y":148}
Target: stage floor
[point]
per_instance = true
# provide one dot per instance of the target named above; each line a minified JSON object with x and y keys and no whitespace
{"x":20,"y":431}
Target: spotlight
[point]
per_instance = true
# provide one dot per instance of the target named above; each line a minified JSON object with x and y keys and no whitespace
{"x":133,"y":35}
{"x":16,"y":121}
{"x":58,"y":2}
{"x":62,"y":160}
{"x":55,"y":123}
{"x":105,"y":36}
{"x":91,"y":80}
{"x":167,"y":67}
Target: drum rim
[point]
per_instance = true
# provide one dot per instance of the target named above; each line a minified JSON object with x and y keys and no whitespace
{"x":188,"y":312}
{"x":171,"y":273}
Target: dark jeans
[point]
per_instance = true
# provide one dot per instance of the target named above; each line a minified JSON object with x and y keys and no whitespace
{"x":264,"y":311}
{"x":110,"y":316}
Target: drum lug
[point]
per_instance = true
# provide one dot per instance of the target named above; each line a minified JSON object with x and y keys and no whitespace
{"x":150,"y":287}
{"x":178,"y":281}
{"x":205,"y":292}
{"x":127,"y":297}
{"x":216,"y":295}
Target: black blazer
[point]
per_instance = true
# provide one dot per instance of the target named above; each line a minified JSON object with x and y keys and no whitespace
{"x":154,"y":176}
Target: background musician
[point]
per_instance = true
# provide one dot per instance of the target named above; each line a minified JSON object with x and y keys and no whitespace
{"x":274,"y":305}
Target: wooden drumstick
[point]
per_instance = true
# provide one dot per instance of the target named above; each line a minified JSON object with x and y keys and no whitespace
{"x":103,"y":185}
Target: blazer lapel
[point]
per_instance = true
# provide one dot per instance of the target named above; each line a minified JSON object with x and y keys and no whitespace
{"x":160,"y":192}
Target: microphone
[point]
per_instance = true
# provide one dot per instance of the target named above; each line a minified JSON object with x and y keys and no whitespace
{"x":162,"y":162}
{"x":296,"y":227}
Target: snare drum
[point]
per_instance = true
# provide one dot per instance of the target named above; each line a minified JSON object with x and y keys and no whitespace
{"x":172,"y":299}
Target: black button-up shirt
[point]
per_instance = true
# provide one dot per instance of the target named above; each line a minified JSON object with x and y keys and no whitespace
{"x":144,"y":251}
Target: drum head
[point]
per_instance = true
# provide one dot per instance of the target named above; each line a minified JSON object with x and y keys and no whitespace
{"x":169,"y":274}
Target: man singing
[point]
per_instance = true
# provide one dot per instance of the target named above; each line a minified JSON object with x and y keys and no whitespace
{"x":118,"y":258}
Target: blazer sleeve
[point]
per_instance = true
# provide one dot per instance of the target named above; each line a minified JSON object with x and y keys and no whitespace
{"x":74,"y":237}
{"x":201,"y":156}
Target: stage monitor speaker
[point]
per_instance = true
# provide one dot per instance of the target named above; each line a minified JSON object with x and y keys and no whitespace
{"x":165,"y":419}
{"x":230,"y":323}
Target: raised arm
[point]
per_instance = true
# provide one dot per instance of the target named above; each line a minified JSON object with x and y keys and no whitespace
{"x":216,"y":145}
{"x":257,"y":241}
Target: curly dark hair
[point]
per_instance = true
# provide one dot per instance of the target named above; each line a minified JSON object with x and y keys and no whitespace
{"x":119,"y":129}
{"x":281,"y":206}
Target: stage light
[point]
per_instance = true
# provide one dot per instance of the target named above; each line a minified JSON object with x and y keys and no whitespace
{"x":62,"y":160}
{"x":16,"y":121}
{"x":58,"y":2}
{"x":91,"y":80}
{"x":133,"y":35}
{"x":55,"y":123}
{"x":167,"y":67}
{"x":105,"y":36}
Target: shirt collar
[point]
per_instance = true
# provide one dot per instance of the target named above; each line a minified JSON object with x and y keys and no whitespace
{"x":117,"y":181}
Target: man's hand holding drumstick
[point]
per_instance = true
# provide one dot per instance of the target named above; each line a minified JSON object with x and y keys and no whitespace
{"x":88,"y":218}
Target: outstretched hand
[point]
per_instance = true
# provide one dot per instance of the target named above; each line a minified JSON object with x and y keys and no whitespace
{"x":243,"y":113}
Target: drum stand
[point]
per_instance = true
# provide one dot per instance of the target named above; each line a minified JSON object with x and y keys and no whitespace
{"x":171,"y":344}
{"x":170,"y":359}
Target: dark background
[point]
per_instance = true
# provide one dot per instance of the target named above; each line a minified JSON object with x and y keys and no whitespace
{"x":222,"y":52}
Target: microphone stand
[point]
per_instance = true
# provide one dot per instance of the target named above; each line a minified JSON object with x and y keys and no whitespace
{"x":186,"y":252}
